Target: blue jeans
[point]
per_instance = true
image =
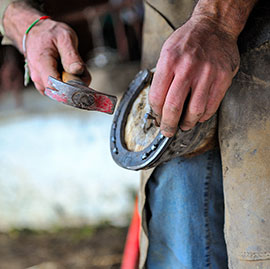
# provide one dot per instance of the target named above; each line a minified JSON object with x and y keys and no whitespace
{"x":185,"y":212}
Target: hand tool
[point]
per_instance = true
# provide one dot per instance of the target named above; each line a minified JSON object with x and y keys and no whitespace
{"x":74,"y":92}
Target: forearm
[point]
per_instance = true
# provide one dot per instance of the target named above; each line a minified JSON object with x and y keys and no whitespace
{"x":231,"y":15}
{"x":17,"y":18}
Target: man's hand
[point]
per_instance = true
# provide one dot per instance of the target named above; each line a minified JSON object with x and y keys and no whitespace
{"x":48,"y":44}
{"x":196,"y":65}
{"x":197,"y":60}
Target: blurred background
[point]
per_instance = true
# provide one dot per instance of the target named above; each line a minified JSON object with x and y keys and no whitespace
{"x":64,"y":203}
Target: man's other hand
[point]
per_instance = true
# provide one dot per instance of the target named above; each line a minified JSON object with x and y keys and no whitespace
{"x":49,"y":44}
{"x":197,"y":61}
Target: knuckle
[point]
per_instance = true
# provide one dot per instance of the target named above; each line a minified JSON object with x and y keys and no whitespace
{"x":167,"y":49}
{"x":61,"y":25}
{"x":155,"y":99}
{"x":188,"y":60}
{"x":188,"y":123}
{"x":42,"y":56}
{"x":223,"y":75}
{"x":172,"y":108}
{"x":214,"y":101}
{"x":196,"y":110}
{"x":168,"y":130}
{"x":203,"y":119}
{"x":211,"y":103}
{"x":70,"y":54}
{"x":207,"y":116}
{"x":208,"y":68}
{"x":211,"y":110}
{"x":35,"y":77}
{"x":68,"y":36}
{"x":168,"y":55}
{"x":185,"y":68}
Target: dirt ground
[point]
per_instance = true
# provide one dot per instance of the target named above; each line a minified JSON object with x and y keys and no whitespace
{"x":70,"y":248}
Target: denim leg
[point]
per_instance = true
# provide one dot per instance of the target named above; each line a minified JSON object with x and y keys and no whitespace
{"x":185,"y":212}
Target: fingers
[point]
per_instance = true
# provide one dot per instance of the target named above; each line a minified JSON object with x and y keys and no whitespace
{"x":208,"y":89}
{"x":198,"y":99}
{"x":67,"y":44}
{"x":45,"y":67}
{"x":39,"y":87}
{"x":43,"y":59}
{"x":216,"y":94}
{"x":86,"y":77}
{"x":196,"y":57}
{"x":160,"y":85}
{"x":173,"y":105}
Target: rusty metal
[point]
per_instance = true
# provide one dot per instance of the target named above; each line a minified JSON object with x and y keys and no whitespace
{"x":77,"y":94}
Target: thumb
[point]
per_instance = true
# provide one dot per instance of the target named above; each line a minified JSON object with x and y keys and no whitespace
{"x":67,"y":46}
{"x":72,"y":62}
{"x":74,"y":68}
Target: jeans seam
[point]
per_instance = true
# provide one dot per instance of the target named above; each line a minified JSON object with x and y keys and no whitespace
{"x":206,"y":209}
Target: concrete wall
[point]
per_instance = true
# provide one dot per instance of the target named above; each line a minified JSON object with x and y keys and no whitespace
{"x":56,"y":168}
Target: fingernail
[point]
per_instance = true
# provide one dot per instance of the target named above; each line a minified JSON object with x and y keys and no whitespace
{"x":184,"y":128}
{"x":168,"y":131}
{"x":76,"y":68}
{"x":165,"y":133}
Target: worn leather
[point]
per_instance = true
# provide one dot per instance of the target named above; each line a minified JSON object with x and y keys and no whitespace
{"x":155,"y":32}
{"x":162,"y":17}
{"x":176,"y":12}
{"x":244,"y":131}
{"x":244,"y":128}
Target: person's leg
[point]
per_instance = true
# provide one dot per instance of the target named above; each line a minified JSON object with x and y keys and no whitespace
{"x":245,"y":146}
{"x":161,"y":18}
{"x":185,"y":214}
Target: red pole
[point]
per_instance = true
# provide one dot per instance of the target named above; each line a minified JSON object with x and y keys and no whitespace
{"x":131,"y":252}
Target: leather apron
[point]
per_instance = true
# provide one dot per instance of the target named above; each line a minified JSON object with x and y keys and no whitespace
{"x":244,"y":129}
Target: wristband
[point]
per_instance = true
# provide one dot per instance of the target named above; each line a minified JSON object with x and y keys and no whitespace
{"x":26,"y":69}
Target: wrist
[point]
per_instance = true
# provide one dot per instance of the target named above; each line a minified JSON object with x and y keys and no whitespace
{"x":17,"y":18}
{"x":229,"y":16}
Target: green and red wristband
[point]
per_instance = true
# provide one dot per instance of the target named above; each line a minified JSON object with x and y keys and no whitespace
{"x":26,"y":69}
